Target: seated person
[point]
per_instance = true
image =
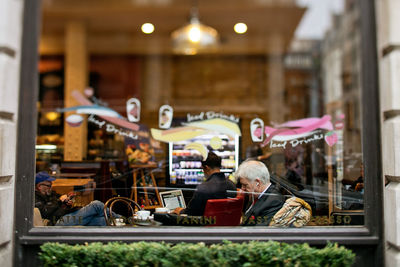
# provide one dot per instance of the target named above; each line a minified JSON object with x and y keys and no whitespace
{"x":58,"y":208}
{"x":265,"y":199}
{"x":216,"y":186}
{"x":358,"y":185}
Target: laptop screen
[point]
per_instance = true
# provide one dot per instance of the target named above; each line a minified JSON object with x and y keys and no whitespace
{"x":172,"y":199}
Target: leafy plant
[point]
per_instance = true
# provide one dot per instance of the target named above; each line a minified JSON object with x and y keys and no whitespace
{"x":226,"y":254}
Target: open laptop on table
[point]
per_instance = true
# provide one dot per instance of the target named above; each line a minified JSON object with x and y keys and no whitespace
{"x":172,"y":199}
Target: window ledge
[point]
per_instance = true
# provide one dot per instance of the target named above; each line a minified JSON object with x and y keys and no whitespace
{"x":312,"y":235}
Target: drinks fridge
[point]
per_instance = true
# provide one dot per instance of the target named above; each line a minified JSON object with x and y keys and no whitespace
{"x":185,"y":164}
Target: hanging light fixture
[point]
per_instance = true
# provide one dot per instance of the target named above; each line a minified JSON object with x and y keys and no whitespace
{"x":194,"y":37}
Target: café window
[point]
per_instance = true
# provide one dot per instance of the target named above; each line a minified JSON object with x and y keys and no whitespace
{"x":194,"y":113}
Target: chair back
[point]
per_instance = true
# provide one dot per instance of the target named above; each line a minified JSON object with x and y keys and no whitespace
{"x":108,"y":206}
{"x":226,"y":211}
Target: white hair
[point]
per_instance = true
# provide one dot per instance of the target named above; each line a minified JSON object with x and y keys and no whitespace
{"x":252,"y":169}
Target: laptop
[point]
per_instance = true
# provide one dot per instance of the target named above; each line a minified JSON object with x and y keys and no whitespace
{"x":172,"y":199}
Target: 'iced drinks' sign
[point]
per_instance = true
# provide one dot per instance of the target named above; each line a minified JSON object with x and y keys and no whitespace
{"x":295,"y":132}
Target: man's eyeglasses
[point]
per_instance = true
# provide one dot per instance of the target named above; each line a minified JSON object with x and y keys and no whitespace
{"x":46,"y":185}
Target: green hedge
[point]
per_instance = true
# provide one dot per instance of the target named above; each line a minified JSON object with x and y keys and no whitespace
{"x":226,"y":254}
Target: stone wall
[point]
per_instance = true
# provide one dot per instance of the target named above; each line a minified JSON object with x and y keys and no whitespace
{"x":10,"y":42}
{"x":388,"y":21}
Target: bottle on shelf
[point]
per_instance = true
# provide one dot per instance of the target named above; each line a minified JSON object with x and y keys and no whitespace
{"x":173,"y":177}
{"x":188,"y":177}
{"x":178,"y":177}
{"x":194,"y":178}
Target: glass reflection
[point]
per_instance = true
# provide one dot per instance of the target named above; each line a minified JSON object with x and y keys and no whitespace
{"x":127,"y":117}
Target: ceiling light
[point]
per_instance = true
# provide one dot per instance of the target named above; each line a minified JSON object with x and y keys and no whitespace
{"x":46,"y":147}
{"x":147,"y":28}
{"x":52,"y":116}
{"x":194,"y":37}
{"x":240,"y":28}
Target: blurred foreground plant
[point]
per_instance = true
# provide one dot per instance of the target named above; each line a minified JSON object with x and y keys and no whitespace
{"x":253,"y":253}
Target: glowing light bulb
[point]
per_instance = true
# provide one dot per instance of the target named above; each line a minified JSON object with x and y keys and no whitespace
{"x":240,"y":28}
{"x":194,"y":34}
{"x":147,"y":28}
{"x":52,"y":116}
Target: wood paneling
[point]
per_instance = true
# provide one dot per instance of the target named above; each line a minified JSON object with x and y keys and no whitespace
{"x":76,"y":76}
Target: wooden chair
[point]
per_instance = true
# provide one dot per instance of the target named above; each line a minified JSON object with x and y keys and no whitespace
{"x":139,"y":174}
{"x":226,"y":211}
{"x":132,"y":206}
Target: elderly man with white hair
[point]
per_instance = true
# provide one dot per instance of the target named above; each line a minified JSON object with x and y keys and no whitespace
{"x":265,"y":199}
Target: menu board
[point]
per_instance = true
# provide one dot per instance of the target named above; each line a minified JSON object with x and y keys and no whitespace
{"x":185,"y":164}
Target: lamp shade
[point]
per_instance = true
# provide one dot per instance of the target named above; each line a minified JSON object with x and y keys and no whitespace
{"x":194,"y":37}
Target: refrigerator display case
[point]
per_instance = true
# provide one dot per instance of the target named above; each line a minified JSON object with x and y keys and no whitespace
{"x":185,"y":164}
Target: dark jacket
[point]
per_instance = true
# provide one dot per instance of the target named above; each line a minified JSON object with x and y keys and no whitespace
{"x":265,"y":208}
{"x":51,"y":207}
{"x":215,"y":187}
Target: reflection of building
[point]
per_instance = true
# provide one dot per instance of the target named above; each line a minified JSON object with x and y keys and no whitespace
{"x":302,"y":86}
{"x":303,"y":96}
{"x":341,"y":71}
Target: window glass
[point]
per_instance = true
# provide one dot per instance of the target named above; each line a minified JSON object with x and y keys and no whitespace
{"x":178,"y":113}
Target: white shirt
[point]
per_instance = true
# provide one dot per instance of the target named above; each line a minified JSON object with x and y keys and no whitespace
{"x":259,"y":196}
{"x":262,"y":193}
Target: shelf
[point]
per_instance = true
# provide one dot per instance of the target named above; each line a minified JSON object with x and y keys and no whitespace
{"x":188,"y":169}
{"x":185,"y":164}
{"x":222,"y":170}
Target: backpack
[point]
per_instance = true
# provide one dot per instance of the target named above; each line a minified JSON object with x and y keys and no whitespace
{"x":294,"y":213}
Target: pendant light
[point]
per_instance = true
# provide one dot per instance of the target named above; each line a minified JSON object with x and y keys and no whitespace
{"x":194,"y":37}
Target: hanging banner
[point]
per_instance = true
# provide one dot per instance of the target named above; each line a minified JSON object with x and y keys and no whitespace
{"x":211,"y":115}
{"x":298,"y":132}
{"x":194,"y":129}
{"x":104,"y":117}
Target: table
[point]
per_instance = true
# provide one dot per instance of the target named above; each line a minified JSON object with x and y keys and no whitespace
{"x":75,"y":175}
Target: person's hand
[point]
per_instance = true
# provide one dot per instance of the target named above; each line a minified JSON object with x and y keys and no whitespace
{"x":359,"y":187}
{"x":265,"y":156}
{"x":71,"y":195}
{"x":177,"y":211}
{"x":68,"y":199}
{"x":63,"y":198}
